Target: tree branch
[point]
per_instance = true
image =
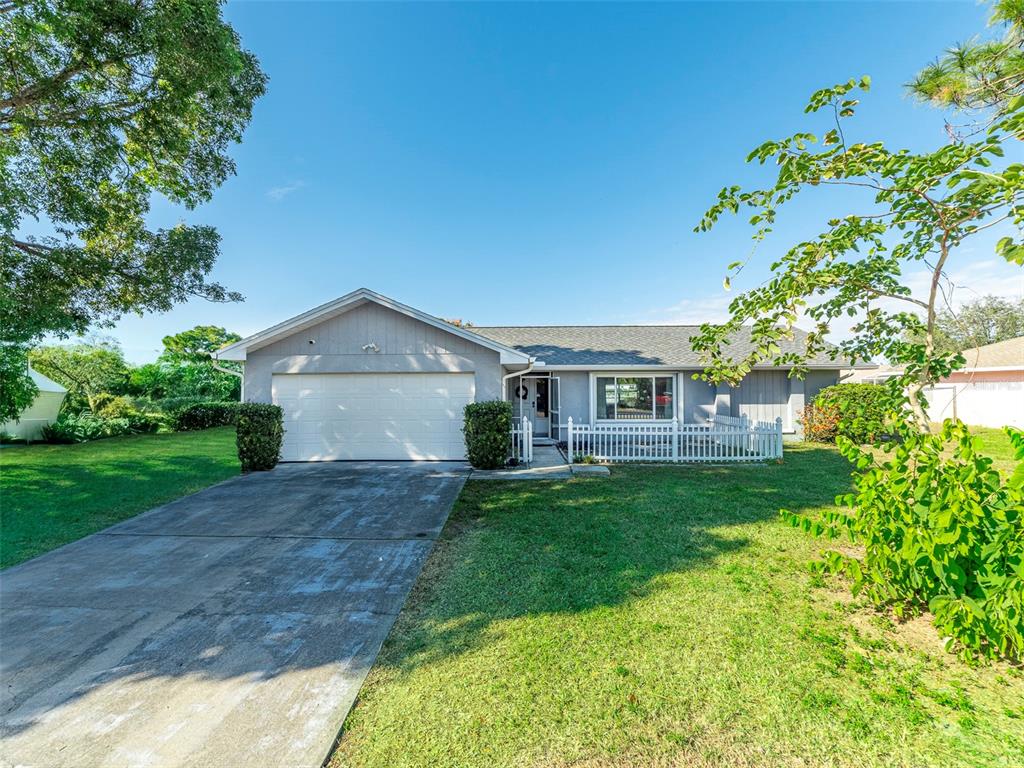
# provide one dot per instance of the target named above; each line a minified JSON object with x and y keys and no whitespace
{"x":32,"y":249}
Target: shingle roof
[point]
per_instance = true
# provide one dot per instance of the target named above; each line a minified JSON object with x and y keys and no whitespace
{"x":625,"y":345}
{"x":1002,"y":354}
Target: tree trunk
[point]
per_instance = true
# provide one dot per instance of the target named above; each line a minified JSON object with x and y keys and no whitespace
{"x":926,"y":377}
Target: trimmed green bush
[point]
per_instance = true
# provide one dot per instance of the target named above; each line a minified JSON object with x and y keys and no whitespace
{"x":859,"y":412}
{"x":260,"y":430}
{"x":171,"y":405}
{"x":205,"y":415}
{"x":487,"y":427}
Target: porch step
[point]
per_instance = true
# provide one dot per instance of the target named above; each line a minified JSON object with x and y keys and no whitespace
{"x":544,"y":441}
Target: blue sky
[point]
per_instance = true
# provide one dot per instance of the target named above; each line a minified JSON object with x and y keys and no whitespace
{"x":537,"y":163}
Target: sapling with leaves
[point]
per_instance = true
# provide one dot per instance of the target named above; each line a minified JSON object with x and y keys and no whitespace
{"x":938,"y":526}
{"x":920,"y":208}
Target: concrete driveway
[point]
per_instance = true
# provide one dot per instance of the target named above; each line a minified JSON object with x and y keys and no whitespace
{"x":228,"y":628}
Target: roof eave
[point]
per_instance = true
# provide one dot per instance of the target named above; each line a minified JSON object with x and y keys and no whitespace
{"x":831,"y":366}
{"x":240,"y":349}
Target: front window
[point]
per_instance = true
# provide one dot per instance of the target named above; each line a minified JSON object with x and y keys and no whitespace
{"x":634,"y":398}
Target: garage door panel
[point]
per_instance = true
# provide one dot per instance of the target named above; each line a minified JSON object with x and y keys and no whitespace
{"x":373,"y":416}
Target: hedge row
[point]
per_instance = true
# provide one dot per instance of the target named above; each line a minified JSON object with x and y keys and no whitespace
{"x":204,"y":416}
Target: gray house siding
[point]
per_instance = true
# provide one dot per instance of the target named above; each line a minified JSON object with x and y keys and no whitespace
{"x":767,"y":395}
{"x":762,"y":396}
{"x":817,"y":381}
{"x":698,"y":404}
{"x":574,"y":396}
{"x":405,"y":345}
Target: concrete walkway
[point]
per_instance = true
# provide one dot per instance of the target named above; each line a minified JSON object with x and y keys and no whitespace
{"x":228,"y":628}
{"x":548,"y":464}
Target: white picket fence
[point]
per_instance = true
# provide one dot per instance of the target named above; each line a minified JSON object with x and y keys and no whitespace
{"x":522,"y":440}
{"x":726,"y":439}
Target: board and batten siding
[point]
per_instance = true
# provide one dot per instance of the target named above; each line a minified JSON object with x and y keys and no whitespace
{"x":698,"y":406}
{"x":815,"y":381}
{"x":762,"y":396}
{"x":768,"y":395}
{"x":405,"y":345}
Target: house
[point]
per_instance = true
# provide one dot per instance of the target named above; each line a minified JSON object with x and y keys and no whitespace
{"x":43,"y":410}
{"x":366,"y":377}
{"x":988,"y":391}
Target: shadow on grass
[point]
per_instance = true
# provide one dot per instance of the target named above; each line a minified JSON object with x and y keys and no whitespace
{"x":509,"y":550}
{"x":517,"y":549}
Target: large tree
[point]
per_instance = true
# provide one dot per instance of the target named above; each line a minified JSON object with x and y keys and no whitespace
{"x":919,"y":208}
{"x":102,"y":104}
{"x":85,"y":370}
{"x":197,"y":344}
{"x":185,"y":369}
{"x":983,"y":321}
{"x":980,"y":74}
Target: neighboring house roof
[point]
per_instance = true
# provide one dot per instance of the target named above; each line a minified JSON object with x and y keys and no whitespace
{"x":629,"y":345}
{"x":44,"y":384}
{"x":1002,"y":354}
{"x":239,"y":349}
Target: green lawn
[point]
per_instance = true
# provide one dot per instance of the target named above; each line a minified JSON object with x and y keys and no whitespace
{"x":664,"y":616}
{"x":995,"y":443}
{"x":53,"y":494}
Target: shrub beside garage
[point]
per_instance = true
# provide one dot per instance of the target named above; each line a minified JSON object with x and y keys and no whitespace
{"x":487,"y":428}
{"x":259,"y":434}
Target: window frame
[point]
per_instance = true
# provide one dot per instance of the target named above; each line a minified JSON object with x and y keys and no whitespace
{"x":653,"y":375}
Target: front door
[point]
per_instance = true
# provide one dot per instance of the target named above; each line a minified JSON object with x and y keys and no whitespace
{"x":541,"y":407}
{"x":532,"y":399}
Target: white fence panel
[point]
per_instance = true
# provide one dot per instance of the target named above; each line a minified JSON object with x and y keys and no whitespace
{"x":522,"y":440}
{"x":978,"y":403}
{"x":726,"y":439}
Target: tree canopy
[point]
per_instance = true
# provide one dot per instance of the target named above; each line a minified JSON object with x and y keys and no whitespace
{"x":102,"y":104}
{"x":983,"y":321}
{"x":919,"y":208}
{"x":978,"y":74}
{"x":196,"y":344}
{"x":85,"y":370}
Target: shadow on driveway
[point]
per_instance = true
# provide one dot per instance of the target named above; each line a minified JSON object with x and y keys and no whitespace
{"x":230,"y":627}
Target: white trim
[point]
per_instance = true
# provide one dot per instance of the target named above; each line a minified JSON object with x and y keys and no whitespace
{"x":990,"y":369}
{"x":630,"y":368}
{"x":505,"y":378}
{"x":238,"y":350}
{"x":626,"y":373}
{"x":680,"y":389}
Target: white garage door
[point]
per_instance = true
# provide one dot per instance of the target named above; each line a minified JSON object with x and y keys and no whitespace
{"x":373,"y":415}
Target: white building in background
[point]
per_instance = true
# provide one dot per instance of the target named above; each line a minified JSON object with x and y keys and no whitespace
{"x":44,"y":409}
{"x":988,"y":392}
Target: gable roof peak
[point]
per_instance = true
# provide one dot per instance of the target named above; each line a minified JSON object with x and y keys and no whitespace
{"x":239,"y":350}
